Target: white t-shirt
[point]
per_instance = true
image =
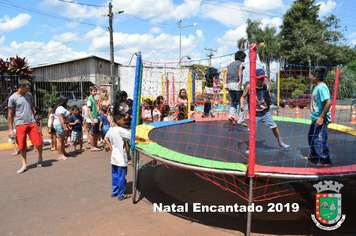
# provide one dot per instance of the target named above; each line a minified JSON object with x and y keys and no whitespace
{"x":156,"y":115}
{"x":147,"y":114}
{"x":116,"y":136}
{"x":60,"y":110}
{"x":166,"y":118}
{"x":50,"y":119}
{"x":85,"y":109}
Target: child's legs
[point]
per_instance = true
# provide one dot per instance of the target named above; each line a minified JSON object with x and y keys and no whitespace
{"x":118,"y":181}
{"x":60,"y":145}
{"x":311,"y":138}
{"x":15,"y":148}
{"x":267,"y":119}
{"x":319,"y":145}
{"x":91,"y":135}
{"x":241,"y":113}
{"x":234,"y":103}
{"x":114,"y":180}
{"x":122,"y":181}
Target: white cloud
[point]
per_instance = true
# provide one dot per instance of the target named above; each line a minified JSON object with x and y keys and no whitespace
{"x":2,"y":40}
{"x":155,"y":30}
{"x":230,"y":37}
{"x":40,"y":52}
{"x":353,"y":35}
{"x":65,"y":37}
{"x":326,"y":8}
{"x":158,"y":10}
{"x":73,"y":10}
{"x":162,"y":47}
{"x":228,"y":14}
{"x":263,"y":5}
{"x":7,"y":24}
{"x":275,"y":22}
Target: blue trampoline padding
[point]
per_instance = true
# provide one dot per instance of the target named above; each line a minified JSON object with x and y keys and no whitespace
{"x":171,"y":122}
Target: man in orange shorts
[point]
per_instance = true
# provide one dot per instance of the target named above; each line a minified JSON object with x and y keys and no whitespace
{"x":21,"y":115}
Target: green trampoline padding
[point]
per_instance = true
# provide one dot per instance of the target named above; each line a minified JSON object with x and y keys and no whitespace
{"x":292,"y":120}
{"x":165,"y":153}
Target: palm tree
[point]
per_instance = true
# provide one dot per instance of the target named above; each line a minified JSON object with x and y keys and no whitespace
{"x":265,"y":39}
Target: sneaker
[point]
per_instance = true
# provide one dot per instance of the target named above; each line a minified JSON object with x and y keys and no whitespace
{"x":283,"y":145}
{"x":324,"y":162}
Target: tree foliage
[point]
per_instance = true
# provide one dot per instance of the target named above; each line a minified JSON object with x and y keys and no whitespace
{"x":48,"y":98}
{"x":16,"y":66}
{"x":308,"y":40}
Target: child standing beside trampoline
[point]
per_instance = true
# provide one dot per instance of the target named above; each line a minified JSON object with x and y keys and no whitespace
{"x":115,"y":138}
{"x":320,"y":116}
{"x":262,"y":105}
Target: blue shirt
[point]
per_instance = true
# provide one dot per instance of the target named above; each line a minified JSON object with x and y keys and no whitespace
{"x":104,"y":119}
{"x":77,"y":127}
{"x":320,"y":95}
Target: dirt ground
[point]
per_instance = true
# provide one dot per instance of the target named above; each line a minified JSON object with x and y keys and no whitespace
{"x":73,"y":198}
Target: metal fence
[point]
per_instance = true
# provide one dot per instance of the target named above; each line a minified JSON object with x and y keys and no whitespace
{"x":46,"y":92}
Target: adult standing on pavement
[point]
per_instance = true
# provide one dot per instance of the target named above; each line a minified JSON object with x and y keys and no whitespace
{"x":21,"y":115}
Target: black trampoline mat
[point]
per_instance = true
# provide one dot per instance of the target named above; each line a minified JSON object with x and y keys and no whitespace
{"x":218,"y":140}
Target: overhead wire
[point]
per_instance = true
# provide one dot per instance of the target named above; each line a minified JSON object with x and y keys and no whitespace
{"x":47,"y":14}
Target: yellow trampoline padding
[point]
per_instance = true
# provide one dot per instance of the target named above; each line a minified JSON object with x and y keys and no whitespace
{"x":342,"y":128}
{"x":142,"y":131}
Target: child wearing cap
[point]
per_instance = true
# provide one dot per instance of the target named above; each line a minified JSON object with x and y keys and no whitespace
{"x":262,"y":105}
{"x":321,"y":116}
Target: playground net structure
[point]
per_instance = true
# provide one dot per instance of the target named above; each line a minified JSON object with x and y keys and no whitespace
{"x":229,"y":155}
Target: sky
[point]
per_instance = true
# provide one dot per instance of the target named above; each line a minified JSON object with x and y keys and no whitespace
{"x":49,"y":31}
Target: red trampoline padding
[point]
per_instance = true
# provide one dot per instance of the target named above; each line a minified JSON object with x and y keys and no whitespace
{"x":337,"y":170}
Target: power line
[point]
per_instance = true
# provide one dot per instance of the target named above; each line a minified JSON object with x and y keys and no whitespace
{"x":49,"y":15}
{"x":84,"y":4}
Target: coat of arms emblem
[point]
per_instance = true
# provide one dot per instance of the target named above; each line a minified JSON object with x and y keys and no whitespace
{"x":328,"y":205}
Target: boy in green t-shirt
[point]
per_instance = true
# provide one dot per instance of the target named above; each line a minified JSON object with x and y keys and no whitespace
{"x":321,"y":117}
{"x":92,"y":120}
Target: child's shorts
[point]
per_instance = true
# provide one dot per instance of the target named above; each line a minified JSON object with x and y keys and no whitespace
{"x":59,"y":130}
{"x":267,"y":120}
{"x":77,"y":136}
{"x":217,"y":89}
{"x":94,"y":129}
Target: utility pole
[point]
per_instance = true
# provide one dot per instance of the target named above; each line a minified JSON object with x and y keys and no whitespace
{"x":112,"y":63}
{"x":210,"y":55}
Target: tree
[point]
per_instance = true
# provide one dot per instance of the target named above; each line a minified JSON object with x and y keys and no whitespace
{"x":48,"y":98}
{"x":307,"y":40}
{"x":266,"y":40}
{"x":300,"y":24}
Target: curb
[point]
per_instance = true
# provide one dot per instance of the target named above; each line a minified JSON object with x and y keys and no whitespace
{"x":7,"y":146}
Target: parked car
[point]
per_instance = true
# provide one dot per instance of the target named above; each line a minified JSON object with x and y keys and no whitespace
{"x":74,"y":98}
{"x":301,"y":101}
{"x":282,"y":102}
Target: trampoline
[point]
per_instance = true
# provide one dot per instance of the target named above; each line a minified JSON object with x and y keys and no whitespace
{"x":213,"y":145}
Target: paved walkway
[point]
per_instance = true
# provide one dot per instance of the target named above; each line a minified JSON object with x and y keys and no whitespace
{"x":72,"y":198}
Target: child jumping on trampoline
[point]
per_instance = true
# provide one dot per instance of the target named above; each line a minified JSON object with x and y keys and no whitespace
{"x":233,"y":83}
{"x":263,"y":102}
{"x":321,"y":117}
